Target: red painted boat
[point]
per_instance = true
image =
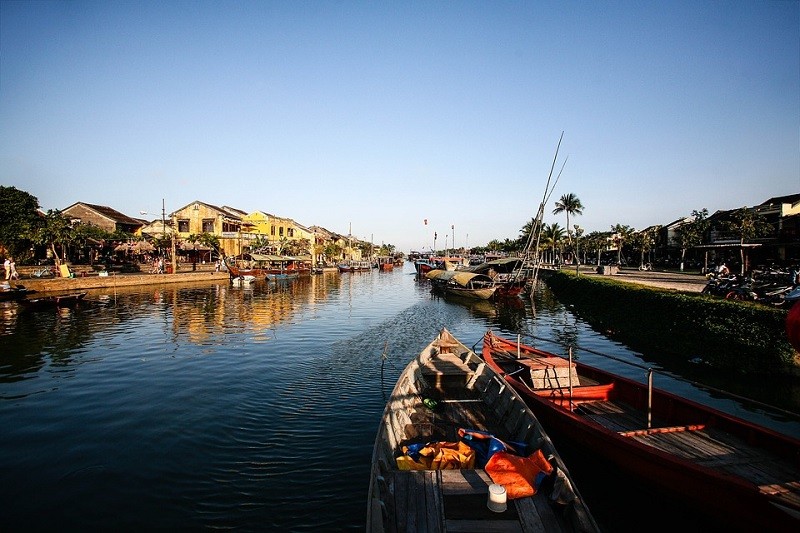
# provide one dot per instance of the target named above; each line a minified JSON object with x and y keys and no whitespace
{"x":744,"y":475}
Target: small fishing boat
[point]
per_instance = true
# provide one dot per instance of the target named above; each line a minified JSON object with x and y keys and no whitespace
{"x":266,"y":266}
{"x":10,"y":293}
{"x":355,"y":266}
{"x":460,"y":283}
{"x":743,"y":475}
{"x":243,"y":280}
{"x":458,"y":450}
{"x":385,"y":264}
{"x":507,"y":272}
{"x":56,"y":300}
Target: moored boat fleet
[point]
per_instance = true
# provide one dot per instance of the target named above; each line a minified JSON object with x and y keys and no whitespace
{"x":463,"y":445}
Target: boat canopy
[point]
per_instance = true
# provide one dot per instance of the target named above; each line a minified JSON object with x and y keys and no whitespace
{"x":460,"y":277}
{"x":505,"y":265}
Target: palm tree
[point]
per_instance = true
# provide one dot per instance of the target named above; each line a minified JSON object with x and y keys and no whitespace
{"x":571,"y":205}
{"x":551,"y":235}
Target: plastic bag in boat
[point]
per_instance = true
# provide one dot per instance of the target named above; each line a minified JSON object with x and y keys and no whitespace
{"x":486,"y":445}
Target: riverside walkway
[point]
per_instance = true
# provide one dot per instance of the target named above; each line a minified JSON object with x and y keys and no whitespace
{"x":678,"y":281}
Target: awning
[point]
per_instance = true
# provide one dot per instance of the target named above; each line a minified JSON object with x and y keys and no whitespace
{"x":461,"y":277}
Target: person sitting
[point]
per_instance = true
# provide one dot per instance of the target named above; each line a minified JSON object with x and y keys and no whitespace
{"x":723,"y":270}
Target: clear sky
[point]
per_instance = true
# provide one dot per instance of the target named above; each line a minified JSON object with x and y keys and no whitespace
{"x":383,"y":114}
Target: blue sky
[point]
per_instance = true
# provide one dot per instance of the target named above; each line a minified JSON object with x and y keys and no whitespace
{"x":381,"y":115}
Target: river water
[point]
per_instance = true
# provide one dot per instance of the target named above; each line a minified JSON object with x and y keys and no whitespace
{"x":207,"y":406}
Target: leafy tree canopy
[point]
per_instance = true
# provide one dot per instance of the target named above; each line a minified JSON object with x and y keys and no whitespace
{"x":18,"y":219}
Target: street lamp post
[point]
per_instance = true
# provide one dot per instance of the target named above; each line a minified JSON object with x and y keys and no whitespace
{"x":578,"y":233}
{"x":174,"y":236}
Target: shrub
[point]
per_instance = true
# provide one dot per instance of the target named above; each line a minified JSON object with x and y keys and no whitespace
{"x":732,"y":334}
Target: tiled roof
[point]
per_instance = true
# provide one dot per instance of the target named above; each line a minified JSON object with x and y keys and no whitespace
{"x":111,"y":214}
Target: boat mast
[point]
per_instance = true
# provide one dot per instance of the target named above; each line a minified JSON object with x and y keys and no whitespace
{"x":536,"y":225}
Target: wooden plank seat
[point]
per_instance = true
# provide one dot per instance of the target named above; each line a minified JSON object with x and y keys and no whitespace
{"x":551,"y":372}
{"x":580,"y":393}
{"x":446,"y":371}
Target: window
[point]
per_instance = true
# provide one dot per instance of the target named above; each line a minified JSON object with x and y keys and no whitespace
{"x":280,"y":231}
{"x":272,"y":230}
{"x":183,"y":226}
{"x":208,"y":225}
{"x":290,"y":232}
{"x":230,"y":227}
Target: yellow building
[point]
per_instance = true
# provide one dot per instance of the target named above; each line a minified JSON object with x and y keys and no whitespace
{"x":223,"y":222}
{"x":278,"y":233}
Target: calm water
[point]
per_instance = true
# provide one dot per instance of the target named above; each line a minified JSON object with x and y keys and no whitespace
{"x":213,"y":407}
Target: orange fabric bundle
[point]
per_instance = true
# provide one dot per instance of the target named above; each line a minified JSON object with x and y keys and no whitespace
{"x":439,"y":456}
{"x":519,"y":475}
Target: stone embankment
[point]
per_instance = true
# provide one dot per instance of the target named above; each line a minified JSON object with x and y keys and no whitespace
{"x":114,"y":280}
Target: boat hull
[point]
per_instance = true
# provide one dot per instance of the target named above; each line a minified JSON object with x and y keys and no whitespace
{"x":407,"y":496}
{"x":732,"y":500}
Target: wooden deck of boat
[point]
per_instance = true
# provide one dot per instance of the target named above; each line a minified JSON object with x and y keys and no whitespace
{"x":455,"y":501}
{"x":705,"y":446}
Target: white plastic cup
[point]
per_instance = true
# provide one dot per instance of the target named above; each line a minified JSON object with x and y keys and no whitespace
{"x":497,"y":498}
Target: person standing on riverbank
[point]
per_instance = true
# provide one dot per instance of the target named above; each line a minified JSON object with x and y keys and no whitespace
{"x":7,"y":268}
{"x":12,"y":269}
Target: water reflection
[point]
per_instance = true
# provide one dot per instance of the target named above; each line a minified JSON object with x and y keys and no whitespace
{"x":211,"y":406}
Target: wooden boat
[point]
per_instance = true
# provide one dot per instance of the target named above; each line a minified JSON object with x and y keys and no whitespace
{"x":469,"y":284}
{"x":506,"y":272}
{"x":744,"y":475}
{"x":59,"y":300}
{"x":265,"y":266}
{"x":354,"y":266}
{"x":385,"y":264}
{"x":10,"y":293}
{"x":445,"y":399}
{"x":242,"y":281}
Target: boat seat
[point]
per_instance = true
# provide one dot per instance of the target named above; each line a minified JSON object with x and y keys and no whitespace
{"x":580,"y":393}
{"x":446,"y":371}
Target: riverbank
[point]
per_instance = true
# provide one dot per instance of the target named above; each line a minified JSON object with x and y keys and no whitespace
{"x":678,"y":323}
{"x":116,"y":280}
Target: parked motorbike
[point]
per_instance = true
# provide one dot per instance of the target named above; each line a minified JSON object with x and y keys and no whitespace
{"x":723,"y":285}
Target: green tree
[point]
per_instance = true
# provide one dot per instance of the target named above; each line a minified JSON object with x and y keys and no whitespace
{"x":552,"y":235}
{"x":746,"y":224}
{"x":205,"y":239}
{"x":19,"y":219}
{"x":85,"y":235}
{"x":494,"y":245}
{"x":571,"y":205}
{"x":644,"y":241}
{"x":622,"y":234}
{"x":298,"y":247}
{"x":690,"y":234}
{"x":333,"y":252}
{"x":597,"y":241}
{"x":54,"y":229}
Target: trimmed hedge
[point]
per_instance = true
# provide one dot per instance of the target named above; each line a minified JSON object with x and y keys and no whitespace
{"x":731,"y":334}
